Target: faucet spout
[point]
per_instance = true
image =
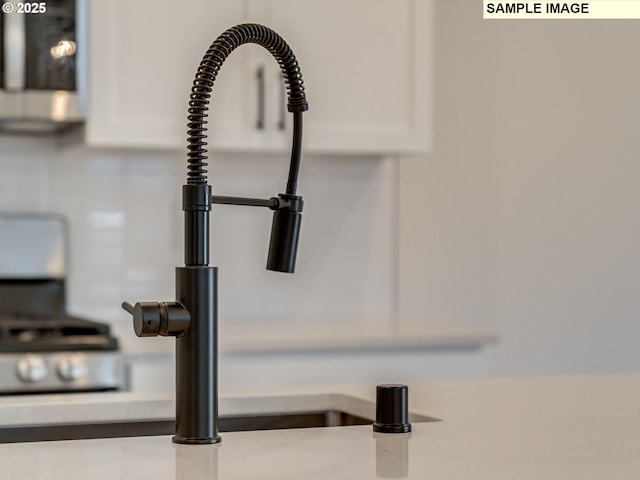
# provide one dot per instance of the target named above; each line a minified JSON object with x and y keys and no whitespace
{"x":193,"y":317}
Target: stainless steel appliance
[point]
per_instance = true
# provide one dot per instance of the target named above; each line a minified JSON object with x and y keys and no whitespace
{"x":42,"y":348}
{"x":41,"y":77}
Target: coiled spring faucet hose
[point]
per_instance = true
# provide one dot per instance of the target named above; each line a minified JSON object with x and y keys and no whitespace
{"x":203,"y":85}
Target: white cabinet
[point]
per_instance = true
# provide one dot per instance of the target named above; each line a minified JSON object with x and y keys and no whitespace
{"x":366,"y":66}
{"x":142,"y":60}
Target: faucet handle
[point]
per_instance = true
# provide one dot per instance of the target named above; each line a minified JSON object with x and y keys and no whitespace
{"x":151,"y":319}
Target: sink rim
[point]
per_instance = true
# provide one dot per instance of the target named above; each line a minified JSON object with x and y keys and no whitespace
{"x":252,"y":422}
{"x":113,"y":407}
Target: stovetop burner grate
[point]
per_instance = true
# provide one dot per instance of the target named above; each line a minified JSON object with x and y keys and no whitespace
{"x":24,"y":332}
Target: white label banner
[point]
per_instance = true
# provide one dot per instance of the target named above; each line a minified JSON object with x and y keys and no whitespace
{"x":586,"y":10}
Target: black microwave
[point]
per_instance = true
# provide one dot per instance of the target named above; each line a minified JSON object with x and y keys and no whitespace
{"x":40,"y":66}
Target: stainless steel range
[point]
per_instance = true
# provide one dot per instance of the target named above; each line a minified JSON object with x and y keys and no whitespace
{"x":42,"y":348}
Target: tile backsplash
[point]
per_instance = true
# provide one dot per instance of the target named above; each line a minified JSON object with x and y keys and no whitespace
{"x":125,"y":220}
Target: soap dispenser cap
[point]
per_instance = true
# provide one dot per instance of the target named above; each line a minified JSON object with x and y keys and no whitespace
{"x":392,"y":409}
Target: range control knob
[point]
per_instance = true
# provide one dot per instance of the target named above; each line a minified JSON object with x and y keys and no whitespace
{"x":31,"y":368}
{"x":72,"y":367}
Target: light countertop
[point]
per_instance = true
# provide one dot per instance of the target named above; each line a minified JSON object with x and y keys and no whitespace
{"x":581,"y":427}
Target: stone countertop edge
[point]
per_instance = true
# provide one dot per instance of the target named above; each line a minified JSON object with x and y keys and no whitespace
{"x":250,"y":342}
{"x":91,"y":408}
{"x":439,"y":340}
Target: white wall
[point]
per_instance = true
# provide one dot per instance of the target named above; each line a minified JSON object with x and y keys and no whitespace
{"x":525,"y":219}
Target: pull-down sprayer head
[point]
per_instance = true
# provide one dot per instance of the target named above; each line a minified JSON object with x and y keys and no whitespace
{"x":285,"y":231}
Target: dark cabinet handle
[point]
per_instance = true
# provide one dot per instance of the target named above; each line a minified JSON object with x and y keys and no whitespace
{"x":260,"y":77}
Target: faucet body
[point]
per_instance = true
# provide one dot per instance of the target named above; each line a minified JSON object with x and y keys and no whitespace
{"x":197,"y":346}
{"x":196,"y":357}
{"x":193,"y":317}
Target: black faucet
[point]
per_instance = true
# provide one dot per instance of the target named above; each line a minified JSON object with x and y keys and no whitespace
{"x":192,"y":318}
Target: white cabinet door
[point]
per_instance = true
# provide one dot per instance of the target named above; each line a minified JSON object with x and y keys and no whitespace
{"x":366,"y":66}
{"x":142,"y":60}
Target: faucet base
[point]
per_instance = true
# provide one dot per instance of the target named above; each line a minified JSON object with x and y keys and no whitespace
{"x":196,"y":441}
